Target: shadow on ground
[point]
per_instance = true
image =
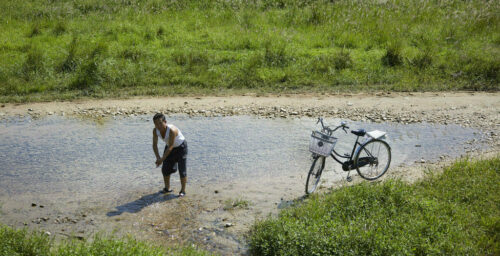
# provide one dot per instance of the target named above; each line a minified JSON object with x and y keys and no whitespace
{"x":141,"y":203}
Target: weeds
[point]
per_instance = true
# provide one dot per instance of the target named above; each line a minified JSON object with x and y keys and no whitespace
{"x":392,"y":56}
{"x":275,"y":54}
{"x":392,"y":217}
{"x":132,"y":53}
{"x":362,"y":45}
{"x":246,"y":76}
{"x":423,"y":60}
{"x":35,"y":30}
{"x":70,"y":62}
{"x":33,"y":65}
{"x":22,"y":242}
{"x":190,"y":58}
{"x":89,"y":77}
{"x":232,"y":204}
{"x":338,"y":61}
{"x":59,"y":29}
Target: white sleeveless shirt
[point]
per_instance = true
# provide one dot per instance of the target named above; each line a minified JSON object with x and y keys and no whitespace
{"x":178,"y":139}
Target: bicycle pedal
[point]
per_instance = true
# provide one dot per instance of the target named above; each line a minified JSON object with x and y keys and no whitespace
{"x":349,"y":178}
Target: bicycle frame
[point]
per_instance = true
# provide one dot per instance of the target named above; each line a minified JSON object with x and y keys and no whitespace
{"x":356,"y":144}
{"x":330,"y":132}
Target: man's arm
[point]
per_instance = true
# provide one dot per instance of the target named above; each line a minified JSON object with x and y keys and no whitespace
{"x":171,"y":138}
{"x":155,"y":144}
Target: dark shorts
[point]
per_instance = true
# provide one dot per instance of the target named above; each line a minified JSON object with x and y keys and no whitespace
{"x":177,"y":156}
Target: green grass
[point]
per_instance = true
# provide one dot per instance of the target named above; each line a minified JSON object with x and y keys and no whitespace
{"x":21,"y":242}
{"x":107,"y":48}
{"x":232,"y":204}
{"x":456,"y":212}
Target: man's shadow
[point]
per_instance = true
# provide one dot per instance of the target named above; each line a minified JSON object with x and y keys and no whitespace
{"x":139,"y":204}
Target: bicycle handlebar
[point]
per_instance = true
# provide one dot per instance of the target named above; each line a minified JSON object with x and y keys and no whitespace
{"x":342,"y":125}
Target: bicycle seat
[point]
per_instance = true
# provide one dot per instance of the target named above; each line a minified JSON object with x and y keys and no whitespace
{"x":359,"y":132}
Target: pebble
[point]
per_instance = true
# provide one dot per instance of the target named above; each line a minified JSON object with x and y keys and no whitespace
{"x":47,"y":233}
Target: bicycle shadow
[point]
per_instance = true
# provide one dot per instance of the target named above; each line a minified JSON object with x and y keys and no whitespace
{"x":141,"y":203}
{"x":287,"y":203}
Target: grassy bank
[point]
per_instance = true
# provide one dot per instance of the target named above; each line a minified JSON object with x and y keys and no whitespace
{"x":453,"y":213}
{"x":65,"y":49}
{"x":20,"y":242}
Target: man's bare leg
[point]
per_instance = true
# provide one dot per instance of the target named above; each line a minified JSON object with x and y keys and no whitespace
{"x":166,"y":180}
{"x":183,"y":184}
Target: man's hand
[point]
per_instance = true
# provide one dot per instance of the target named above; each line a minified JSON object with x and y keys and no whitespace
{"x":159,"y":161}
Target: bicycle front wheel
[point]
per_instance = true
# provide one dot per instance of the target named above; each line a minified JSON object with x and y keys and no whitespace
{"x":373,"y":159}
{"x":315,"y":172}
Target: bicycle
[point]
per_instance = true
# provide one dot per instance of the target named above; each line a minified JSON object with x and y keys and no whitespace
{"x":366,"y":156}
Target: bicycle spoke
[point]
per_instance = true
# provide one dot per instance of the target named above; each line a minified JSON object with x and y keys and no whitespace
{"x":373,"y":159}
{"x":314,"y":174}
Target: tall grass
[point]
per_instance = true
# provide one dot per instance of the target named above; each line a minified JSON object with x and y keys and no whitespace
{"x":453,"y":213}
{"x":177,"y":46}
{"x":21,"y":242}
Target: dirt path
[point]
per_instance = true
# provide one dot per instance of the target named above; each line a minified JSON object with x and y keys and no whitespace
{"x":468,"y":109}
{"x":208,"y":216}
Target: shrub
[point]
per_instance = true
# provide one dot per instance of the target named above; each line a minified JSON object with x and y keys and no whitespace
{"x":70,"y":63}
{"x":35,"y":30}
{"x":392,"y":56}
{"x":60,"y":28}
{"x":339,"y":60}
{"x":246,"y":76}
{"x":190,"y":58}
{"x":33,"y":65}
{"x":89,"y":77}
{"x":160,"y":31}
{"x":275,"y":54}
{"x":132,"y":53}
{"x":422,"y":60}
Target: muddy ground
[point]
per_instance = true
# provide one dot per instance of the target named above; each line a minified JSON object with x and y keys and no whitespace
{"x":212,"y":217}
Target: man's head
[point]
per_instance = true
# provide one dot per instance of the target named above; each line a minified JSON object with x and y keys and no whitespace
{"x":160,"y":121}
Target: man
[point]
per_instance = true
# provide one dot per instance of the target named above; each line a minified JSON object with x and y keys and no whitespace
{"x":175,"y":151}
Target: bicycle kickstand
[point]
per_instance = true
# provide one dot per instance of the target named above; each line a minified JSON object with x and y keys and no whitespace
{"x":349,"y":178}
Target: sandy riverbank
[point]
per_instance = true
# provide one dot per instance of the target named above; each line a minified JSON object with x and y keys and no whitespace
{"x":476,"y":109}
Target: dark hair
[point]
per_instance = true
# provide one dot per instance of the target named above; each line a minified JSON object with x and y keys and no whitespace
{"x":159,"y":116}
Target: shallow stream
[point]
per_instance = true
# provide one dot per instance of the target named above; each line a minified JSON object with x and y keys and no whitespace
{"x":74,"y":162}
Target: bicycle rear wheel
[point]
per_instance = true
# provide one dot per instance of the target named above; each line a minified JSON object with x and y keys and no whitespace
{"x":373,"y":159}
{"x":314,"y":175}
